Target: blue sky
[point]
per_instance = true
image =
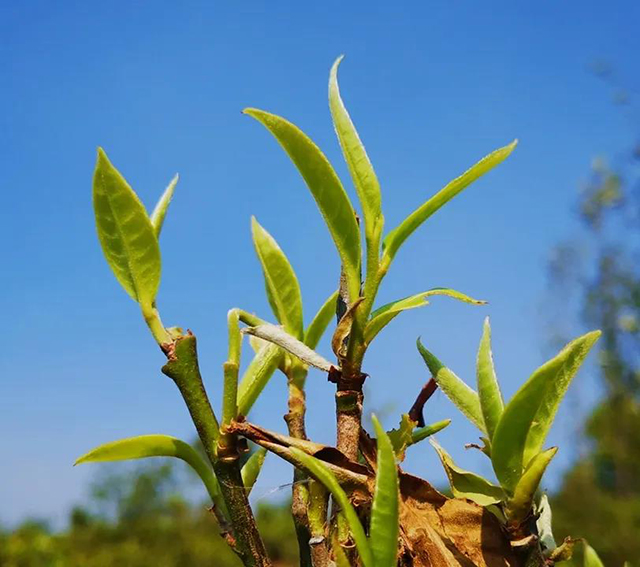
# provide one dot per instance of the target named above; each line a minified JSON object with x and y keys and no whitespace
{"x":432,"y":87}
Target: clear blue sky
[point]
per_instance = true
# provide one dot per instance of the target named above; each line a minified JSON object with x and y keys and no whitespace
{"x":432,"y":87}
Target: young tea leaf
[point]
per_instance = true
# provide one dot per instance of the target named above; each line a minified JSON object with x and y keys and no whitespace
{"x":126,"y":234}
{"x":401,"y":436}
{"x":521,"y":413}
{"x":519,"y":506}
{"x":591,"y":558}
{"x":488,"y":388}
{"x":384,"y":528}
{"x":281,"y":282}
{"x":323,"y":317}
{"x":463,"y":397}
{"x":160,"y":210}
{"x":465,"y":484}
{"x":397,"y":236}
{"x":257,"y":375}
{"x":360,"y":168}
{"x":251,"y":469}
{"x":326,"y":188}
{"x":566,"y":363}
{"x":428,"y":430}
{"x":321,"y":473}
{"x":154,"y":446}
{"x":277,"y":335}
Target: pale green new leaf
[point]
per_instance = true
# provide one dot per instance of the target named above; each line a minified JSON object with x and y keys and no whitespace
{"x":521,"y":413}
{"x":251,"y":469}
{"x":384,"y":527}
{"x":320,"y":322}
{"x":360,"y":168}
{"x":154,"y":446}
{"x":257,"y":375}
{"x":488,"y":388}
{"x":382,"y":316}
{"x":571,"y":358}
{"x":397,"y":236}
{"x":283,"y":289}
{"x":321,"y":473}
{"x":160,"y":210}
{"x":428,"y":430}
{"x":401,"y":436}
{"x":591,"y":558}
{"x":126,"y":234}
{"x":326,"y":188}
{"x":463,"y":397}
{"x":465,"y":484}
{"x":519,"y":506}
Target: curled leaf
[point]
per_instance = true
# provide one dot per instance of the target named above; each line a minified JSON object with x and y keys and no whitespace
{"x":126,"y":234}
{"x":277,"y":335}
{"x":384,"y":527}
{"x":465,"y":484}
{"x":326,"y":188}
{"x":463,"y":397}
{"x":341,"y":334}
{"x":281,"y":282}
{"x":488,"y":388}
{"x":321,"y":473}
{"x":160,"y":210}
{"x":155,"y":446}
{"x":397,"y":236}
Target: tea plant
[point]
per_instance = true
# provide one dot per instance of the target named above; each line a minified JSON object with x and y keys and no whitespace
{"x":356,"y":506}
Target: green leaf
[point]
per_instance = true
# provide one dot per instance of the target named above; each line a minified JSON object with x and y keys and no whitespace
{"x":277,"y":335}
{"x":252,"y":468}
{"x":155,"y":446}
{"x":126,"y":234}
{"x":382,"y":316}
{"x":321,"y":473}
{"x":321,"y":321}
{"x":591,"y":558}
{"x":567,"y":363}
{"x":360,"y":168}
{"x":488,"y":387}
{"x":282,"y":285}
{"x":160,"y":210}
{"x":401,"y":436}
{"x":463,"y":397}
{"x":428,"y":430}
{"x":397,"y":236}
{"x":519,"y":506}
{"x":465,"y":484}
{"x":257,"y":375}
{"x":325,"y":187}
{"x":384,"y":528}
{"x":521,"y":413}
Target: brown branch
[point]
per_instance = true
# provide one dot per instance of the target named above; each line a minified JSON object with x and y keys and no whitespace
{"x":416,"y":413}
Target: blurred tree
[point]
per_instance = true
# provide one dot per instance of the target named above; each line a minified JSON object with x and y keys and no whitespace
{"x":600,"y":496}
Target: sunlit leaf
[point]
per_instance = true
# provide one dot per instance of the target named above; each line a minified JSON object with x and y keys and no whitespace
{"x":382,"y":316}
{"x":519,"y":506}
{"x":257,"y":375}
{"x":397,"y":236}
{"x":428,"y":430}
{"x":488,"y":389}
{"x":160,"y":210}
{"x":281,"y":282}
{"x":521,"y":413}
{"x":360,"y":168}
{"x":384,"y":528}
{"x":325,"y":187}
{"x":154,"y":446}
{"x":277,"y":335}
{"x":251,"y":469}
{"x":126,"y":234}
{"x":567,"y":363}
{"x":401,"y":436}
{"x":320,"y":322}
{"x":465,"y":484}
{"x":591,"y":558}
{"x":321,"y":473}
{"x":463,"y":397}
